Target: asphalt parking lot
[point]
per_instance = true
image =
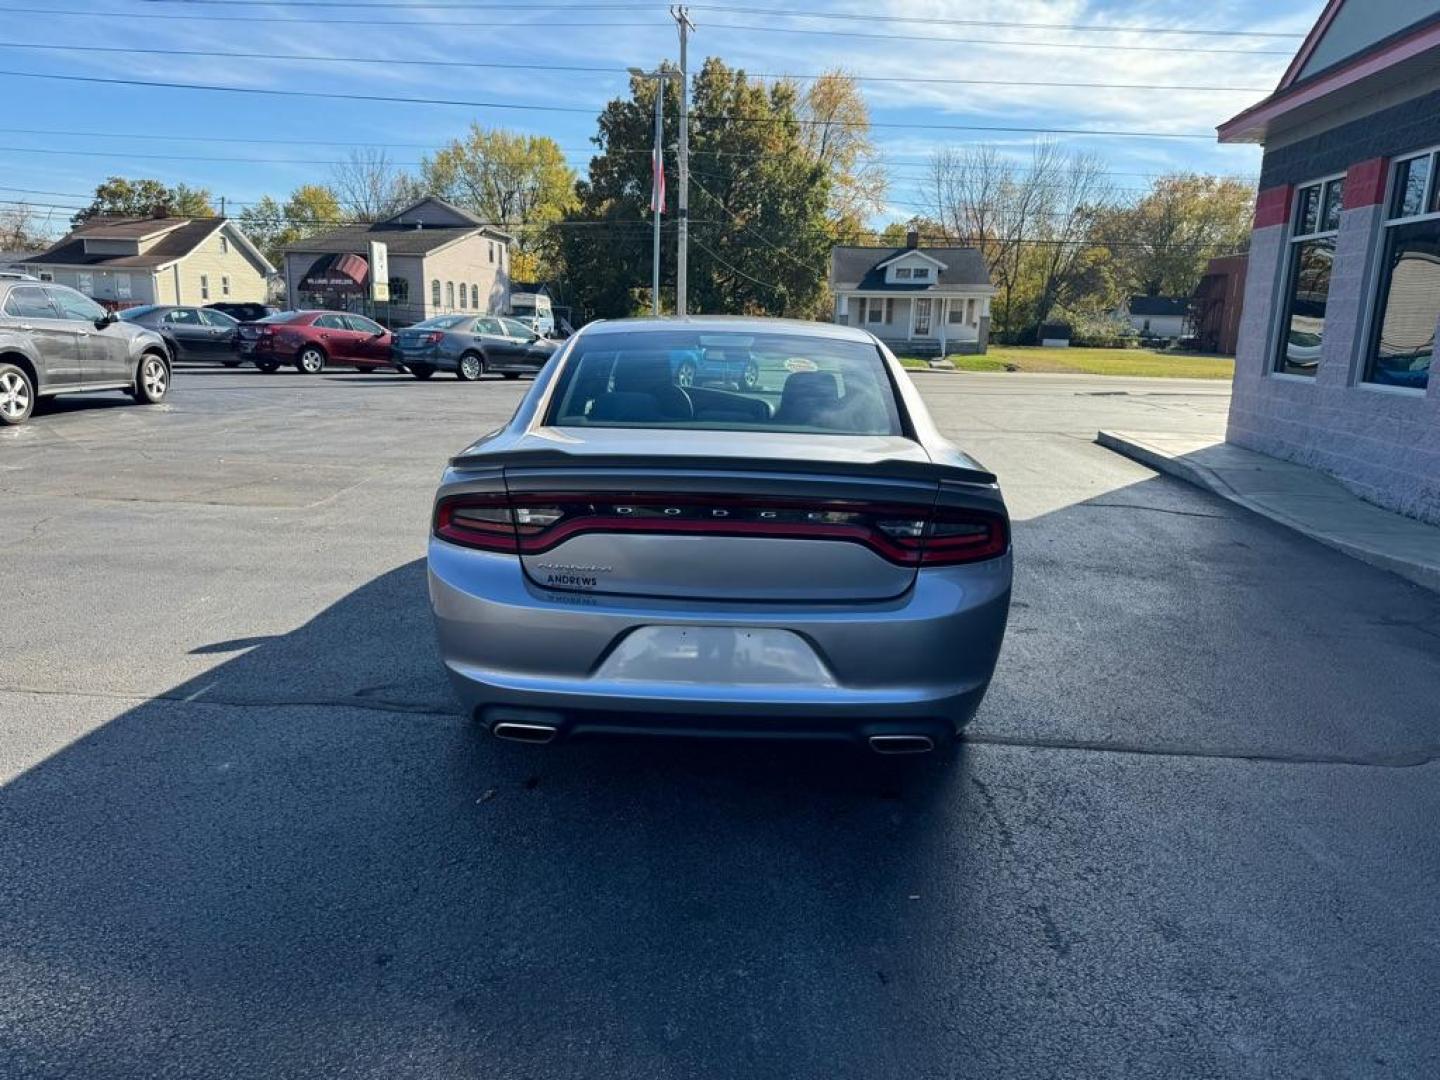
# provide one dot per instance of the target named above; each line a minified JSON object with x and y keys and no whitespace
{"x":244,"y":831}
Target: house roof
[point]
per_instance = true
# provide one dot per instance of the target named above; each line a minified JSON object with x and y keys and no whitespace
{"x":182,"y":236}
{"x":398,"y":239}
{"x":862,"y":268}
{"x":1156,"y":306}
{"x":1378,"y":45}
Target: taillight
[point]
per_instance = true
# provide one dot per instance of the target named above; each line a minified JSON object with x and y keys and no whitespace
{"x":267,"y":331}
{"x":434,"y":337}
{"x":907,"y":535}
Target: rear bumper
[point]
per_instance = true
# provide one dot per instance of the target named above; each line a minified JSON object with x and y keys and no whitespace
{"x":917,"y":664}
{"x":429,"y":356}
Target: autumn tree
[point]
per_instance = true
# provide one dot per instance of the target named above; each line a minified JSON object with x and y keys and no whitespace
{"x":835,"y":133}
{"x":311,"y":208}
{"x":1162,"y":243}
{"x":519,"y":182}
{"x":123,"y":197}
{"x":22,"y":228}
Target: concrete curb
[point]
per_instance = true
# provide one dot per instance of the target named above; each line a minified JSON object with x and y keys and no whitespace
{"x":1425,"y":575}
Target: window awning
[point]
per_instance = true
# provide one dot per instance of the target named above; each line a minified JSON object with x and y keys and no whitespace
{"x":343,"y":272}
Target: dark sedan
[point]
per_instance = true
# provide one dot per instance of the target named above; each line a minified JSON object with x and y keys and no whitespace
{"x":242,"y":311}
{"x":471,"y":345}
{"x":193,"y":334}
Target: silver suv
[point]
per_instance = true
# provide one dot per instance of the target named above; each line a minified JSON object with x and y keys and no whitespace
{"x":53,"y":340}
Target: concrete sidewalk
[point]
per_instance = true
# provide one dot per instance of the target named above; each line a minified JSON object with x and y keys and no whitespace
{"x":1295,"y":496}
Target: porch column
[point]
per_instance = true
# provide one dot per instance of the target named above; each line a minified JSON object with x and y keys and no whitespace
{"x":911,"y":335}
{"x":944,"y":305}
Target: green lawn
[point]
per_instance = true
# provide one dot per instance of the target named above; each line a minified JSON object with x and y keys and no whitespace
{"x":1132,"y":362}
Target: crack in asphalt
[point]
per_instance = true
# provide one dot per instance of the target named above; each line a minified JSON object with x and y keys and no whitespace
{"x":1154,"y":509}
{"x":1399,"y":759}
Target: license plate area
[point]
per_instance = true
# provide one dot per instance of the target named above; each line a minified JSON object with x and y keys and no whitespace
{"x":715,"y":656}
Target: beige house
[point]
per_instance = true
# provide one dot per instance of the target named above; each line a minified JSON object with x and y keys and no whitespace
{"x":126,"y":261}
{"x":920,"y":301}
{"x":442,"y":259}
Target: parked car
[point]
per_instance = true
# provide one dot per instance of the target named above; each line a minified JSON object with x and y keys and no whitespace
{"x":53,"y":341}
{"x":471,"y":345}
{"x":697,"y":367}
{"x":197,"y":335}
{"x":814,"y":561}
{"x":311,"y":340}
{"x":16,"y":275}
{"x":242,"y":312}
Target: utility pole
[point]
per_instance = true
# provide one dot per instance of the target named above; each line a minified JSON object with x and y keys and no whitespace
{"x":681,"y":15}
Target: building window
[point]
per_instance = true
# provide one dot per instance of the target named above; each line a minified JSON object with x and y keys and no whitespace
{"x":492,"y":251}
{"x":85,"y":282}
{"x":45,"y":275}
{"x":399,"y":290}
{"x":224,"y":284}
{"x":1407,"y":304}
{"x":122,"y":286}
{"x":875,"y":311}
{"x":921,"y":273}
{"x":922,"y":317}
{"x":435,"y":293}
{"x":464,"y":295}
{"x":902,"y":273}
{"x":956,"y":315}
{"x":970,"y":307}
{"x":224,"y":245}
{"x":204,"y":286}
{"x":475,"y":297}
{"x":1310,"y":260}
{"x":450,"y":295}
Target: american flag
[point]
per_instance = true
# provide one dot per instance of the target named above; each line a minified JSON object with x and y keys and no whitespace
{"x":657,"y":180}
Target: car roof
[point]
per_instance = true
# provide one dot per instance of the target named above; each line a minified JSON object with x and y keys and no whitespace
{"x":739,"y":324}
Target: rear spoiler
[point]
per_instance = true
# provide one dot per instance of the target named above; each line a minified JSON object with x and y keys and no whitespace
{"x":888,"y":468}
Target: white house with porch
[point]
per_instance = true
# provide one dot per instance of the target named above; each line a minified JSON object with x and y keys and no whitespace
{"x":918,"y":300}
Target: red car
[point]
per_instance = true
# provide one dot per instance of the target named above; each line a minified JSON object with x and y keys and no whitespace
{"x":312,"y":339}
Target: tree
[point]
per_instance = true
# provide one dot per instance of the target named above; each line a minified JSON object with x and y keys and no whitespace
{"x":311,"y":208}
{"x":1036,"y":224}
{"x":836,"y":134}
{"x":521,"y":183}
{"x":371,"y":187}
{"x":22,"y":228}
{"x":120,"y":196}
{"x":760,"y":239}
{"x":1163,"y":242}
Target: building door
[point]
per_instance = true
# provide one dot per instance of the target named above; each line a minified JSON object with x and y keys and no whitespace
{"x":922,"y":317}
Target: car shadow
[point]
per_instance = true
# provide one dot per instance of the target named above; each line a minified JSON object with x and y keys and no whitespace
{"x":305,"y":862}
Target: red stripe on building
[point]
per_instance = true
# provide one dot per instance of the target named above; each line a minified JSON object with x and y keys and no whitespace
{"x":1272,"y":206}
{"x":1365,"y":183}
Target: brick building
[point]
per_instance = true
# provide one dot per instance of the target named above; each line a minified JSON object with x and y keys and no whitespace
{"x":1342,"y":295}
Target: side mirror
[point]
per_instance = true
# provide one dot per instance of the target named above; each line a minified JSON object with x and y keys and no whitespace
{"x":108,"y":319}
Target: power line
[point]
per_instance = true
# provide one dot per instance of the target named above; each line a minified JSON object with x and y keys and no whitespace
{"x":931,"y":20}
{"x":390,"y":99}
{"x":928,"y":20}
{"x":736,"y":270}
{"x":221,"y":16}
{"x":598,"y":70}
{"x":969,"y":41}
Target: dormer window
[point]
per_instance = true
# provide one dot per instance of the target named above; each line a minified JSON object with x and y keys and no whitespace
{"x":902,"y":273}
{"x":922,"y":273}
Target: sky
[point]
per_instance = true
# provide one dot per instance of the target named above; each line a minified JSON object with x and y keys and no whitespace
{"x":59,"y":138}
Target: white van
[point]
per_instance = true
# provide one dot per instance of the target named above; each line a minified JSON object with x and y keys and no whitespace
{"x":534,"y":310}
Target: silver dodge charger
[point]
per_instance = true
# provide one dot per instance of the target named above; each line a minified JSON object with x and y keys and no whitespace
{"x":795,"y":555}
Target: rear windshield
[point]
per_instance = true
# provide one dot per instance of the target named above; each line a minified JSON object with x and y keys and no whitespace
{"x":726,"y":381}
{"x":281,"y":316}
{"x":441,"y":322}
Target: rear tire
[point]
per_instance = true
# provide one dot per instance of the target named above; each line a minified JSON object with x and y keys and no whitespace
{"x":470,"y":368}
{"x":420,"y":371}
{"x":269,"y":367}
{"x":510,"y":374}
{"x":230,"y":363}
{"x":17,"y":396}
{"x":152,"y":380}
{"x":311,"y":361}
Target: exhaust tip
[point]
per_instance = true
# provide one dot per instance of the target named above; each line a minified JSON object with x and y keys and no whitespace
{"x":901,"y":744}
{"x":536,"y":734}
